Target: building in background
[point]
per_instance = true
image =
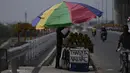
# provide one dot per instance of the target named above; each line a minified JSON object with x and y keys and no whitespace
{"x":121,"y":11}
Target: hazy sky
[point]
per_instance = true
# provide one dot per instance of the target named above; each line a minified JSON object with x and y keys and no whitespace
{"x":13,"y":10}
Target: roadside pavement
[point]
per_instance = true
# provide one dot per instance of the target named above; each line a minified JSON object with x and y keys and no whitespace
{"x":52,"y":69}
{"x":44,"y":69}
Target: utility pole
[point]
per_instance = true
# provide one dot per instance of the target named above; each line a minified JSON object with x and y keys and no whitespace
{"x":106,"y":11}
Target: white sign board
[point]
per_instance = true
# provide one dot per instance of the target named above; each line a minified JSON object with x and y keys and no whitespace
{"x":79,"y":55}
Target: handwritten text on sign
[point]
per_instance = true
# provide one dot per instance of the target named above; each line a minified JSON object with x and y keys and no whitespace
{"x":79,"y":56}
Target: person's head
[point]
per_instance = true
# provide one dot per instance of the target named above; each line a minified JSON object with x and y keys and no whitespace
{"x":103,"y":26}
{"x":60,"y":28}
{"x":94,"y":27}
{"x":125,"y":28}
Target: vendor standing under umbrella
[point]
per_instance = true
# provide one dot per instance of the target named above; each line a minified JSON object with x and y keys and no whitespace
{"x":60,"y":37}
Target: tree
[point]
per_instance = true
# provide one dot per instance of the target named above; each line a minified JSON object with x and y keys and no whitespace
{"x":21,"y":29}
{"x":4,"y":31}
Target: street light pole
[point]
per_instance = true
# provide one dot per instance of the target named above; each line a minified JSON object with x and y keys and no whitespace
{"x":113,"y":11}
{"x":25,"y":15}
{"x":102,"y":10}
{"x":97,"y":5}
{"x":106,"y":11}
{"x":98,"y":17}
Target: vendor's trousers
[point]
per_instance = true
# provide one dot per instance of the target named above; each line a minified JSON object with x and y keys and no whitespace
{"x":58,"y":55}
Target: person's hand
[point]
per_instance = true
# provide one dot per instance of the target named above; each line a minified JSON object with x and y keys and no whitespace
{"x":118,"y":49}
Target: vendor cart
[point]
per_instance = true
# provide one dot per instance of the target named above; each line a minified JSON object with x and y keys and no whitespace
{"x":76,"y":52}
{"x":76,"y":59}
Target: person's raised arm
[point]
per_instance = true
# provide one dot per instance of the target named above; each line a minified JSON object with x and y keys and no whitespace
{"x":64,"y":36}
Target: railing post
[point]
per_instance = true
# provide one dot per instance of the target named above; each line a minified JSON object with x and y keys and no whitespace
{"x":3,"y":59}
{"x":14,"y":65}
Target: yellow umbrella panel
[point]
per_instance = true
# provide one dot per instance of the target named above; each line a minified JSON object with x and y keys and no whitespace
{"x":45,"y":16}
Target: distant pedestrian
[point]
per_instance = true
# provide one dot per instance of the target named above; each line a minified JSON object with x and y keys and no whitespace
{"x":59,"y":44}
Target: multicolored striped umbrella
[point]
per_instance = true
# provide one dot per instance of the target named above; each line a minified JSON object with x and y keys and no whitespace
{"x":66,"y":14}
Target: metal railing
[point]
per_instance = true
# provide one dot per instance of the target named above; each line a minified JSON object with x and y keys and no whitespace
{"x":28,"y":51}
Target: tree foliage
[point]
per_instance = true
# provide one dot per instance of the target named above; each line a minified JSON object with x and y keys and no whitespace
{"x":5,"y":31}
{"x":22,"y":26}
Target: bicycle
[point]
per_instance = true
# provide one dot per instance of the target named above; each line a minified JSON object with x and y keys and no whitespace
{"x":124,"y":60}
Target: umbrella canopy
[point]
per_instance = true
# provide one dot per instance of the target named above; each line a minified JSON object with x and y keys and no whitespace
{"x":65,"y":14}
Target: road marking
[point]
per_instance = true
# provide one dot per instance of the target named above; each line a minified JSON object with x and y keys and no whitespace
{"x":47,"y":56}
{"x":109,"y":69}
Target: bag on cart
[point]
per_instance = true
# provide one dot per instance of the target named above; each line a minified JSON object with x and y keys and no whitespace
{"x":65,"y":58}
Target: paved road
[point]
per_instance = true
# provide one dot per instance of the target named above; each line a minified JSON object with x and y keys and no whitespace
{"x":106,"y":54}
